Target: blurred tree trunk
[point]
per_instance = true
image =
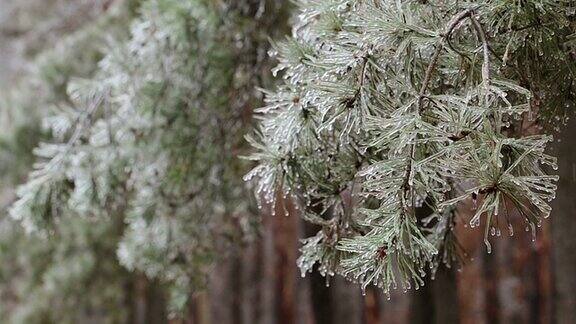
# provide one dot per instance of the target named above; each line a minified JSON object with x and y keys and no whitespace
{"x":437,"y":301}
{"x":334,"y":299}
{"x":285,"y":232}
{"x":347,"y":302}
{"x":491,"y":283}
{"x":564,"y":227}
{"x":445,"y":298}
{"x":422,"y":306}
{"x":147,"y":304}
{"x":224,"y":292}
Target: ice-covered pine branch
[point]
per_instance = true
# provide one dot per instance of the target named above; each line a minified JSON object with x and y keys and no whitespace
{"x":391,"y":113}
{"x":151,"y":140}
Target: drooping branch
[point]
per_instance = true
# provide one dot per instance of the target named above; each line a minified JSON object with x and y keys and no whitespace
{"x":418,"y":141}
{"x":445,"y":36}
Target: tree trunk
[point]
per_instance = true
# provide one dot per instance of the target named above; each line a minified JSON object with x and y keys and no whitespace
{"x":422,"y":306}
{"x":564,"y":228}
{"x":437,"y":301}
{"x":444,"y":296}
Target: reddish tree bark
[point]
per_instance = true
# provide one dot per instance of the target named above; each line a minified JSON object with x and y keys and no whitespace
{"x":564,"y":228}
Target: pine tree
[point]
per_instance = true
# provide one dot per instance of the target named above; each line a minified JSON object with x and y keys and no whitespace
{"x":391,"y":108}
{"x":149,"y":143}
{"x":71,"y":276}
{"x":388,"y":115}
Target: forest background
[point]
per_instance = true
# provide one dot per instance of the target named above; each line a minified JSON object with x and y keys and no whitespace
{"x":77,"y":277}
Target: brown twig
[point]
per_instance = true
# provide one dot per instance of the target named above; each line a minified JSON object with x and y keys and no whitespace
{"x":422,"y":94}
{"x":485,"y":49}
{"x":440,"y":46}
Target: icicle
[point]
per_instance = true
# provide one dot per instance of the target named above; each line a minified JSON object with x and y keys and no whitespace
{"x":488,"y":246}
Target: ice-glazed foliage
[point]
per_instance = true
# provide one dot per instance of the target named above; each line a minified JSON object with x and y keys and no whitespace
{"x":391,"y":113}
{"x":71,"y":279}
{"x":152,"y":139}
{"x":73,"y":276}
